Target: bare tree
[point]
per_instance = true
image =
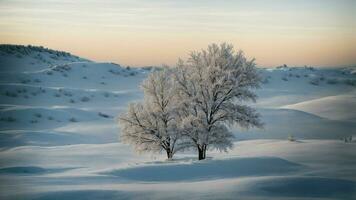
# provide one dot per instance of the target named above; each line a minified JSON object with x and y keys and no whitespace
{"x":151,"y":125}
{"x":211,"y":86}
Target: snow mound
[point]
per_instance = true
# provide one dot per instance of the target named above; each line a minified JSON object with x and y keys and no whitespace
{"x":331,"y":107}
{"x":281,"y":123}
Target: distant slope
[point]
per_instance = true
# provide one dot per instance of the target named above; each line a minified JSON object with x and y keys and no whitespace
{"x":340,"y":107}
{"x":290,"y":85}
{"x":281,"y":123}
{"x":34,"y":118}
{"x":20,"y":58}
{"x":80,"y":75}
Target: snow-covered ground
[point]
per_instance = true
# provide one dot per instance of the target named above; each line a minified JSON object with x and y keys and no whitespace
{"x":59,"y":137}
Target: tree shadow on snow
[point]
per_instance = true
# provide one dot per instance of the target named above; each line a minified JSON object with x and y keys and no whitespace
{"x":211,"y":169}
{"x":311,"y":187}
{"x":32,"y":170}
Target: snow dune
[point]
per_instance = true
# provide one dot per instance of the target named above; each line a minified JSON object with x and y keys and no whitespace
{"x":340,"y":107}
{"x":281,"y":123}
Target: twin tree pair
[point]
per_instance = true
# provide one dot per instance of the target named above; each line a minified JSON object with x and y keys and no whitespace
{"x":193,"y":105}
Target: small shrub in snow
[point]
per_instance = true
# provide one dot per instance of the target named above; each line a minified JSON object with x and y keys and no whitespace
{"x":332,"y":81}
{"x":25,"y":96}
{"x":265,"y":80}
{"x":64,"y":68}
{"x":57,"y":95}
{"x":33,"y":121}
{"x":71,"y":101}
{"x":8,"y":119}
{"x":85,"y":99}
{"x":50,"y":118}
{"x":21,"y":90}
{"x":104,"y":115}
{"x":314,"y":81}
{"x":309,"y":68}
{"x":49,"y":73}
{"x":347,"y":139}
{"x":297,"y":75}
{"x":102,"y":83}
{"x":285,"y":78}
{"x":54,"y":57}
{"x":10,"y":94}
{"x":106,"y":94}
{"x":11,"y":119}
{"x":291,"y":138}
{"x":34,"y":93}
{"x":351,"y":82}
{"x":38,"y":115}
{"x":68,"y":94}
{"x":73,"y":119}
{"x":65,"y":75}
{"x":282,"y":66}
{"x":84,"y":77}
{"x":25,"y":81}
{"x":116,"y":72}
{"x":132,"y":73}
{"x":37,"y":80}
{"x":128,"y":68}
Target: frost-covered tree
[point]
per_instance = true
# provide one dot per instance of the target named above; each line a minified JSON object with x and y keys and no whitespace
{"x":151,"y":125}
{"x":211,"y":87}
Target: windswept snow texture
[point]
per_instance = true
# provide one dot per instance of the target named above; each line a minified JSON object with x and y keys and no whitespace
{"x":59,"y":137}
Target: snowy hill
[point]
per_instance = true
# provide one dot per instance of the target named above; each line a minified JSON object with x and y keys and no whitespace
{"x":19,"y":58}
{"x":58,"y":127}
{"x":331,"y":107}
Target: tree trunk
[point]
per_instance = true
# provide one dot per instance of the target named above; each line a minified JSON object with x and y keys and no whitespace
{"x":169,"y":154}
{"x":202,"y":152}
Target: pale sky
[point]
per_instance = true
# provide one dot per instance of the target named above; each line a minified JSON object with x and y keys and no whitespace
{"x":155,"y":32}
